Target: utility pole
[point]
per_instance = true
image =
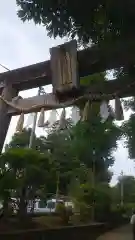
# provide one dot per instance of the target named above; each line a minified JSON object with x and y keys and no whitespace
{"x":40,"y":90}
{"x":93,"y":187}
{"x":57,"y":186}
{"x":121,"y":190}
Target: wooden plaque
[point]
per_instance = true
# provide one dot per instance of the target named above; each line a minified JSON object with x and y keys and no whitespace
{"x":64,"y":67}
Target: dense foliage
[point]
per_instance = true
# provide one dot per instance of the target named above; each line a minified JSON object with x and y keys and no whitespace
{"x":95,"y":142}
{"x":23,"y":172}
{"x":90,"y":20}
{"x":21,"y":140}
{"x":129,"y":133}
{"x":73,"y":151}
{"x":65,"y":166}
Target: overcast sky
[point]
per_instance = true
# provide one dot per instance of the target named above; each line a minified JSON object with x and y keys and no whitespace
{"x":23,"y":44}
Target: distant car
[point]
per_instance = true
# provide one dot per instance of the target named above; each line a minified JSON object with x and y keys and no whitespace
{"x":40,"y":206}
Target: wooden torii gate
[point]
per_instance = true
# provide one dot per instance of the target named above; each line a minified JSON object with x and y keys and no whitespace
{"x":89,"y":61}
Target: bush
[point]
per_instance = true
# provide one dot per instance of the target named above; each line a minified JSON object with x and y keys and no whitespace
{"x":125,"y":210}
{"x":102,"y":212}
{"x":63,"y":212}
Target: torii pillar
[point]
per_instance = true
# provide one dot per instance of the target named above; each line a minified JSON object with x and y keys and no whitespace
{"x":8,"y":93}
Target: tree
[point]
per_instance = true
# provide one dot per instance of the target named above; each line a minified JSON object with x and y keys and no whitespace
{"x":128,"y":183}
{"x":7,"y":183}
{"x":21,"y":140}
{"x":103,"y":20}
{"x":24,"y":171}
{"x":55,"y":145}
{"x":58,"y":127}
{"x":128,"y":128}
{"x":93,"y":142}
{"x":59,"y":144}
{"x":85,"y":198}
{"x":74,"y":151}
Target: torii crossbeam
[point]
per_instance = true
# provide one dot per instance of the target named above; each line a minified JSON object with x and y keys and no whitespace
{"x":91,"y":60}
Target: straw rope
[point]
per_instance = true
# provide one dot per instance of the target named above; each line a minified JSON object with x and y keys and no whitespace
{"x":87,"y":96}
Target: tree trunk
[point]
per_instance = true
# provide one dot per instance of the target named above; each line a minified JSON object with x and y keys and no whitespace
{"x":23,"y":205}
{"x":8,"y":93}
{"x":6,"y":205}
{"x":33,"y":204}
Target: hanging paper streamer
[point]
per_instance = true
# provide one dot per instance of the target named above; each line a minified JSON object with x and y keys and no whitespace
{"x":20,"y":123}
{"x":75,"y":114}
{"x":111,"y":112}
{"x":41,"y":120}
{"x":53,"y":117}
{"x":118,"y":110}
{"x":104,"y":111}
{"x":86,"y":111}
{"x":30,"y":119}
{"x":62,"y":122}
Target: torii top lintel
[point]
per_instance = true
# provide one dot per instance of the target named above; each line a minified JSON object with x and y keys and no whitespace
{"x":90,"y":60}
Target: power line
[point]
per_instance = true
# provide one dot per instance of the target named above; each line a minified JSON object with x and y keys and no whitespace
{"x":4,"y":67}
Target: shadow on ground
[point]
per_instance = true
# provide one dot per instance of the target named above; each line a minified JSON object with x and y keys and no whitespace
{"x":122,"y":233}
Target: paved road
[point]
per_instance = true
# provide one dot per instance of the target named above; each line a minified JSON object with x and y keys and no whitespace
{"x":123,"y":233}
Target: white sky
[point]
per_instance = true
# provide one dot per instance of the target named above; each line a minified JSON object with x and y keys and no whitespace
{"x":23,"y":44}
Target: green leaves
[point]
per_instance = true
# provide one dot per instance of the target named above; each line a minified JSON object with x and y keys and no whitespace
{"x":103,"y":20}
{"x":86,"y":194}
{"x":21,"y":140}
{"x":95,"y":78}
{"x":63,"y":161}
{"x":95,"y":141}
{"x":129,"y":133}
{"x":24,"y":168}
